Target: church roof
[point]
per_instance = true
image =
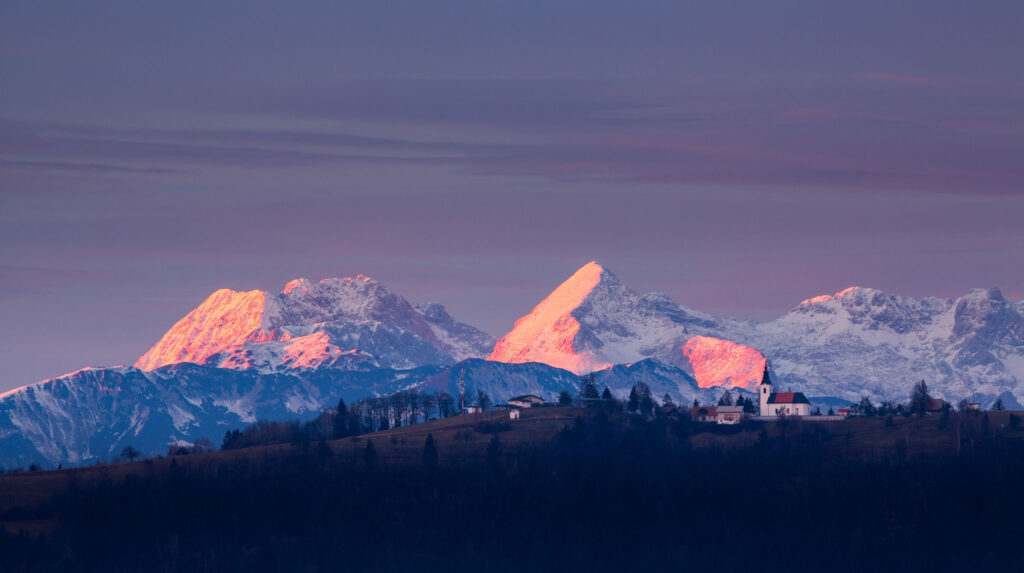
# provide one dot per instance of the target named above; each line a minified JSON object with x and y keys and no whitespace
{"x":788,"y":398}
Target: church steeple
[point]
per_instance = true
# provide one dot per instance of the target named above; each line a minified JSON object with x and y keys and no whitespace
{"x":764,"y":391}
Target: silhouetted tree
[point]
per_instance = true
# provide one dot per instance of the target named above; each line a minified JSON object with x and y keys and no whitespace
{"x":445,"y":404}
{"x":633,"y":403}
{"x":130,"y":453}
{"x":865,"y":407}
{"x":998,"y":405}
{"x":646,"y":398}
{"x":588,"y":387}
{"x":725,"y":399}
{"x":483,"y":400}
{"x":369,"y":453}
{"x":606,"y":394}
{"x":430,"y":452}
{"x":341,"y":421}
{"x":666,"y":400}
{"x":919,"y":398}
{"x":413,"y":400}
{"x":564,"y":398}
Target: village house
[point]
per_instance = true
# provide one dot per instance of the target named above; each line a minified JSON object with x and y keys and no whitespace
{"x":728,"y":414}
{"x":704,"y":413}
{"x":526,"y":401}
{"x":513,"y":411}
{"x":717,"y":414}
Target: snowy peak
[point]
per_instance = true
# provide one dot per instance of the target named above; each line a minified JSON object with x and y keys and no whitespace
{"x":568,"y":296}
{"x":226,"y":318}
{"x":986,"y":316}
{"x":338,"y":322}
{"x":553,"y":333}
{"x":853,"y":290}
{"x":871,"y":308}
{"x":348,"y":299}
{"x":592,"y":321}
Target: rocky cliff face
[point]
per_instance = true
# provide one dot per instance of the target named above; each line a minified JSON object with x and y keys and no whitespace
{"x":856,"y":342}
{"x":349,"y":324}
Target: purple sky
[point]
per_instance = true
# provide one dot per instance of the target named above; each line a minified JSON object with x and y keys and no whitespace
{"x":739,"y":156}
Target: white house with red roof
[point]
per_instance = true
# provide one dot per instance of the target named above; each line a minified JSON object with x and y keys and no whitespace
{"x":780,"y":403}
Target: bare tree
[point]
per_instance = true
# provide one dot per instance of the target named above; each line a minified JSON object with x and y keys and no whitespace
{"x":130,"y":453}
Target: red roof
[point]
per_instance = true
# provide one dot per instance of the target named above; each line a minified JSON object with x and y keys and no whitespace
{"x":700,"y":411}
{"x":788,"y":398}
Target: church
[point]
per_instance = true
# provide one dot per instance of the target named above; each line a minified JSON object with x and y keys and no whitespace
{"x":780,"y":403}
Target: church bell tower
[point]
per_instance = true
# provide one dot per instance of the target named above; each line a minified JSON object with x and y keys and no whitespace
{"x":764,"y":391}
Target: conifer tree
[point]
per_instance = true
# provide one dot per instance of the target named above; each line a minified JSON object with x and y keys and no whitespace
{"x":588,"y":387}
{"x":370,"y":453}
{"x":430,"y":452}
{"x":341,"y":421}
{"x":919,"y":398}
{"x":726,"y":399}
{"x":564,"y":398}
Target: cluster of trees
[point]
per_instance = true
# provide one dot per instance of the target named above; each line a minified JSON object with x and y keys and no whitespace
{"x":364,"y":416}
{"x":558,"y":505}
{"x":726,"y":400}
{"x":920,"y":403}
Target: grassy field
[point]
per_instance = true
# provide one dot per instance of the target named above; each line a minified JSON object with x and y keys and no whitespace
{"x":456,"y":438}
{"x":465,"y":438}
{"x":876,"y":437}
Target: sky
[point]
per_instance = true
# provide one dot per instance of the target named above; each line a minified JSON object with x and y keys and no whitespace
{"x":738,"y":156}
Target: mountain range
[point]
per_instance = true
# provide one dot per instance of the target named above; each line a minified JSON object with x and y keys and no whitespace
{"x":242,"y":356}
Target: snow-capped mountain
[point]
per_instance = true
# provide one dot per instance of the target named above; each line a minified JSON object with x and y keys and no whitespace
{"x":92,"y":413}
{"x":592,"y":322}
{"x":348,"y":324}
{"x":240,"y":356}
{"x":856,"y":342}
{"x":861,"y":341}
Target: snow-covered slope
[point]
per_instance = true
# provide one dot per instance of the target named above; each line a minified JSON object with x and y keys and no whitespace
{"x":244,"y":355}
{"x":592,"y":321}
{"x":856,"y":342}
{"x":861,"y":341}
{"x":340,"y":323}
{"x":93,"y":413}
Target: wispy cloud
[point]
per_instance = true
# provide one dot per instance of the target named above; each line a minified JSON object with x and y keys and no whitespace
{"x":913,"y":80}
